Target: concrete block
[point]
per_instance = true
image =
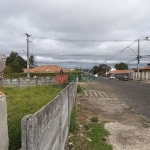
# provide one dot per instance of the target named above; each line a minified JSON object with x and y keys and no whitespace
{"x":3,"y":124}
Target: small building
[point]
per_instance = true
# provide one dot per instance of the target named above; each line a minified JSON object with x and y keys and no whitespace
{"x":117,"y":73}
{"x":145,"y":73}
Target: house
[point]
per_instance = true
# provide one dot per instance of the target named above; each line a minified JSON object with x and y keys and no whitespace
{"x":117,"y":73}
{"x":145,"y":73}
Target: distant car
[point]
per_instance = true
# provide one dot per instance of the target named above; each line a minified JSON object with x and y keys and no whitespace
{"x":112,"y":77}
{"x":124,"y":78}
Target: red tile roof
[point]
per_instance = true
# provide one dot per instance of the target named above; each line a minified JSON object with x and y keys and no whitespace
{"x":145,"y":68}
{"x":120,"y":71}
{"x":46,"y":68}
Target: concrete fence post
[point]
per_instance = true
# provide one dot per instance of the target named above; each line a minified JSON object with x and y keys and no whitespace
{"x":3,"y":123}
{"x":60,"y":123}
{"x":27,"y":125}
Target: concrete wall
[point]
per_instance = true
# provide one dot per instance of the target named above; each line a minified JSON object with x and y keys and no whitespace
{"x":3,"y":124}
{"x":145,"y":75}
{"x":24,"y":82}
{"x":135,"y":75}
{"x":47,"y":129}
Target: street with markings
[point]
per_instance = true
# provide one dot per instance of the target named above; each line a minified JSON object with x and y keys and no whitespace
{"x":135,"y":94}
{"x":96,"y":93}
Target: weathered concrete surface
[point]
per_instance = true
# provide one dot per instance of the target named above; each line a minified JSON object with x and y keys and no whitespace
{"x":24,"y":82}
{"x":3,"y":123}
{"x":128,"y":130}
{"x":47,"y":129}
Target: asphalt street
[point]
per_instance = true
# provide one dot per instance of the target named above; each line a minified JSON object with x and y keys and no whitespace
{"x":133,"y":93}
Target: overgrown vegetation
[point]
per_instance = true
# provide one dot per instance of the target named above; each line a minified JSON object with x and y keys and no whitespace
{"x":19,"y":75}
{"x":86,"y":134}
{"x":21,"y":102}
{"x":73,"y":124}
{"x":79,"y":89}
{"x":72,"y":75}
{"x":96,"y":134}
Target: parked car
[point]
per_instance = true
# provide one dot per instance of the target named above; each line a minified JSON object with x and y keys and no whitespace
{"x":124,"y":78}
{"x":112,"y":77}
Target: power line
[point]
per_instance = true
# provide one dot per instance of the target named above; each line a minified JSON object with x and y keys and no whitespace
{"x":78,"y":40}
{"x":132,"y":50}
{"x":119,"y":52}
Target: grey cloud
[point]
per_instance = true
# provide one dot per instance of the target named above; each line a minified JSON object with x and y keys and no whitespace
{"x":75,"y":20}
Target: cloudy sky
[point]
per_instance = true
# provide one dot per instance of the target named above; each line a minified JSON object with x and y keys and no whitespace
{"x":76,"y":33}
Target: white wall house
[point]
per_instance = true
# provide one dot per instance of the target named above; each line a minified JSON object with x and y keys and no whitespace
{"x":145,"y":73}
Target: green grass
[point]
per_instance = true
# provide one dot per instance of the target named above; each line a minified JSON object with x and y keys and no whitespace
{"x":89,"y":136}
{"x":96,"y":133}
{"x":79,"y":89}
{"x":73,"y":123}
{"x":21,"y":102}
{"x":94,"y":119}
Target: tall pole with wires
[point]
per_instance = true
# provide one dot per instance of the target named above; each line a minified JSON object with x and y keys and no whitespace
{"x":28,"y":69}
{"x":138,"y":59}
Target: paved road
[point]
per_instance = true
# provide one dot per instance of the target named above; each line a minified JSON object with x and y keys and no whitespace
{"x":135,"y":94}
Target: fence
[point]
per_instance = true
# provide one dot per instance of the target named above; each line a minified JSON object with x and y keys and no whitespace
{"x":85,"y":78}
{"x":3,"y":124}
{"x":47,"y":129}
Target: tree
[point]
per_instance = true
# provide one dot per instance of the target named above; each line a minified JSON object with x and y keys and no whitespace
{"x":32,"y":61}
{"x":16,"y":62}
{"x":103,"y":68}
{"x":135,"y":69}
{"x":16,"y":68}
{"x":95,"y":69}
{"x":7,"y":70}
{"x":15,"y":58}
{"x":121,"y":66}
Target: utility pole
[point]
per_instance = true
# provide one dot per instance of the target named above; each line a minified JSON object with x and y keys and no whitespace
{"x":138,"y":59}
{"x":28,"y":69}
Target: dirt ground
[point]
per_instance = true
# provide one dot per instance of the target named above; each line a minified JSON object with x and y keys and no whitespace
{"x":128,"y":130}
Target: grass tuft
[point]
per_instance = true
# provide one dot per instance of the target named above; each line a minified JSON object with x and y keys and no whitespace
{"x":79,"y":89}
{"x":94,"y":119}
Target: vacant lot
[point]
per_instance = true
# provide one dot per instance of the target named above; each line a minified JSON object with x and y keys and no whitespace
{"x":21,"y":102}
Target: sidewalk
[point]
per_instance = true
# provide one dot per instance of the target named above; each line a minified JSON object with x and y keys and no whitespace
{"x":128,"y":130}
{"x":143,"y":81}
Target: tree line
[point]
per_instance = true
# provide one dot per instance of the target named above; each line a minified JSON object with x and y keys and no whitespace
{"x":15,"y":63}
{"x":103,"y":68}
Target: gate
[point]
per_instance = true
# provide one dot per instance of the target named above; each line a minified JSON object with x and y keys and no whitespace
{"x":82,"y":78}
